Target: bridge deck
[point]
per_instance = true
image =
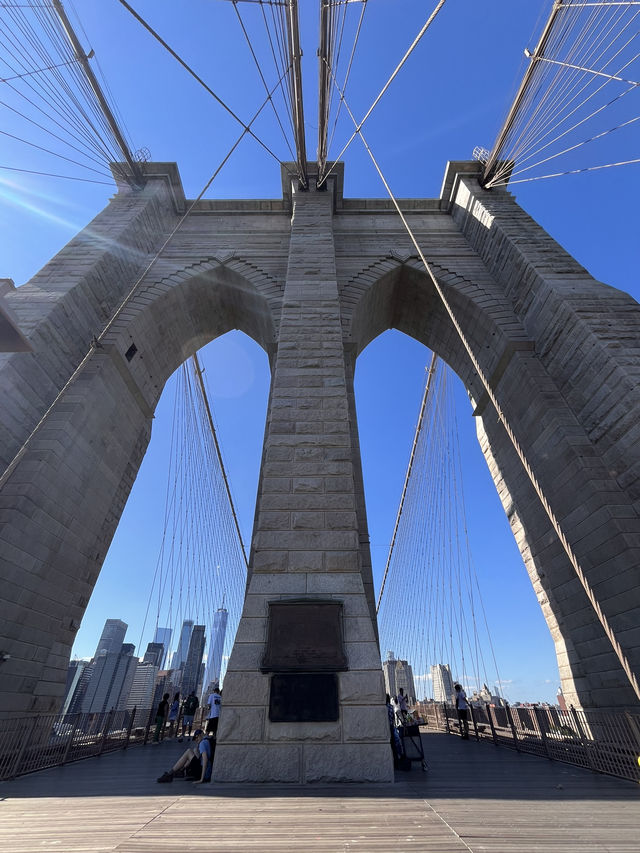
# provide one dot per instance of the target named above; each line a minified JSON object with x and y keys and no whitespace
{"x":474,"y":797}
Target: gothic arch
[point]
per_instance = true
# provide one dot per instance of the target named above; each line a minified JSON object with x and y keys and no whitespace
{"x":397,"y":293}
{"x":58,"y":523}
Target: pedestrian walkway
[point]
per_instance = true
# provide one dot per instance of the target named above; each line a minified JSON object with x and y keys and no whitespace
{"x":475,"y":798}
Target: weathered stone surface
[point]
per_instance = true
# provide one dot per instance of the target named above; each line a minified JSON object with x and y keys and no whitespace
{"x":364,"y":723}
{"x":241,"y":725}
{"x":357,"y":688}
{"x":247,"y":688}
{"x":304,"y":732}
{"x":260,"y":763}
{"x":347,"y":763}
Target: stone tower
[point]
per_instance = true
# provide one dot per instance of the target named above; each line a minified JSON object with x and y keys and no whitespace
{"x":313,"y":278}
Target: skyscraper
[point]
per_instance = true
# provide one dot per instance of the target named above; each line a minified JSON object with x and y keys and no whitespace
{"x":163,"y":635}
{"x":110,"y":681}
{"x":398,"y":674}
{"x":191,"y":671}
{"x":180,"y":657}
{"x":74,"y":677}
{"x":143,"y":685}
{"x":216,"y":646}
{"x":112,"y":637}
{"x":442,"y":682}
{"x":154,"y":654}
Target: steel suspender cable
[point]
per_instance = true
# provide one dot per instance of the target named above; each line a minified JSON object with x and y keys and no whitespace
{"x":205,"y":400}
{"x":127,"y":299}
{"x":408,"y":53}
{"x":555,"y":523}
{"x":423,"y":404}
{"x":187,"y":67}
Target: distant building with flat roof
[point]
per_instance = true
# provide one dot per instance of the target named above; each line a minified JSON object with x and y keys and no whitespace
{"x":442,"y":682}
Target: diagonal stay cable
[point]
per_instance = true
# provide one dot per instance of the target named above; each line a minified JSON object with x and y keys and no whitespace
{"x":52,"y":175}
{"x":127,"y":299}
{"x":484,"y":378}
{"x":176,"y":56}
{"x":569,"y":172}
{"x":358,"y":126}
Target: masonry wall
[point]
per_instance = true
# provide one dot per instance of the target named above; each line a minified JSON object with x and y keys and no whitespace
{"x":560,"y":351}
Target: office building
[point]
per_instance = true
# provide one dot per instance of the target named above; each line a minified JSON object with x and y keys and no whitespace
{"x":163,"y":635}
{"x":191,"y":669}
{"x":112,"y":637}
{"x":216,"y":647}
{"x":442,"y":682}
{"x":180,"y":657}
{"x":74,"y":679}
{"x":154,"y":654}
{"x":398,"y":674}
{"x":141,"y":694}
{"x":111,"y":677}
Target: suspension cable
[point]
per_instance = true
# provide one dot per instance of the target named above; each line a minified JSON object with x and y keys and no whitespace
{"x":121,"y":307}
{"x":414,"y":44}
{"x":423,"y":405}
{"x":189,"y":69}
{"x":573,"y":559}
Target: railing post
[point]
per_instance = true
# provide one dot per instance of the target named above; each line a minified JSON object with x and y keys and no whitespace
{"x":70,"y":741}
{"x":21,"y":751}
{"x":130,"y":726}
{"x":446,"y":717}
{"x":148,"y":728}
{"x":543,"y":735}
{"x":473,"y":720}
{"x":582,"y":736}
{"x":513,"y":728}
{"x":105,"y":732}
{"x":492,"y":725}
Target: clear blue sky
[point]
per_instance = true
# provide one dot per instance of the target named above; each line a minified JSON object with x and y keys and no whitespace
{"x":450,"y":97}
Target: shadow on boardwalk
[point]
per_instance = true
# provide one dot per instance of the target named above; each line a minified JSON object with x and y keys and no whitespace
{"x":475,"y":797}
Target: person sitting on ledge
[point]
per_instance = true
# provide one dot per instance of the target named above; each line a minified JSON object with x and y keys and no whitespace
{"x":195,"y":762}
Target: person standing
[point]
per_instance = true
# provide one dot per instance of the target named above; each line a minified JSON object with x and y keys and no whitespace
{"x":190,"y":707}
{"x":161,"y":717}
{"x":174,"y":711}
{"x":214,"y":701}
{"x":462,"y":707}
{"x":403,"y":705}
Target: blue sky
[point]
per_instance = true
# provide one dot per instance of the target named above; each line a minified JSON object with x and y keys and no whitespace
{"x":450,"y":97}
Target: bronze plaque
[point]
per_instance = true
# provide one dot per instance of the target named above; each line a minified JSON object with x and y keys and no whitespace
{"x":305,"y":636}
{"x":298,"y":697}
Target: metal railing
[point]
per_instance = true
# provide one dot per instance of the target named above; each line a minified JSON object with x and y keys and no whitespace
{"x":28,"y":744}
{"x":603,"y":742}
{"x":49,"y":740}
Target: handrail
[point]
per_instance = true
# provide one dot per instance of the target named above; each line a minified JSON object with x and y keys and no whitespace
{"x":604,"y":742}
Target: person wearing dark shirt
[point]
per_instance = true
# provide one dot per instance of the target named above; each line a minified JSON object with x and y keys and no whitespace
{"x":161,"y":717}
{"x":190,"y":707}
{"x":462,"y":707}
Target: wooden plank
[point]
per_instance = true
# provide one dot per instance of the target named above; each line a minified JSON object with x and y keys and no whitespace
{"x":475,"y":797}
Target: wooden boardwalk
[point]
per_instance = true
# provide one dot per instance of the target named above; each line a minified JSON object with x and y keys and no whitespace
{"x":475,"y":797}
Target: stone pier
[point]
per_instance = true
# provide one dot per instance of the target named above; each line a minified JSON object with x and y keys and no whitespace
{"x":308,"y":545}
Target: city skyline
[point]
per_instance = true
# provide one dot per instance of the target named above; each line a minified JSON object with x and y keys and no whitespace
{"x":440,"y":677}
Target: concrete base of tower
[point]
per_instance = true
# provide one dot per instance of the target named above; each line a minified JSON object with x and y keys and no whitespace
{"x":303,"y":763}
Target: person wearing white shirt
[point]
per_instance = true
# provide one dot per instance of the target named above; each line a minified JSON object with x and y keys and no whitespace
{"x":462,"y":707}
{"x":214,"y":702}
